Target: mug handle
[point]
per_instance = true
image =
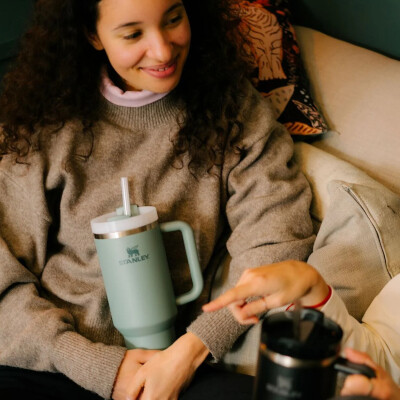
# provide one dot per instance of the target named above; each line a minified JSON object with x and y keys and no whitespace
{"x":350,"y":368}
{"x":193,"y":260}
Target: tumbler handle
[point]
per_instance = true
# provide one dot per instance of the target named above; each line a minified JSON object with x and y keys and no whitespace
{"x":350,"y":368}
{"x":193,"y":260}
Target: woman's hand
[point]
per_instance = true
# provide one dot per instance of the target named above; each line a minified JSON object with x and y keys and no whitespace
{"x":382,"y":387}
{"x":132,"y":362}
{"x":167,"y":372}
{"x":277,"y":285}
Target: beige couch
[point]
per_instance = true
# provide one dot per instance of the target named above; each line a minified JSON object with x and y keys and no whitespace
{"x":354,"y":172}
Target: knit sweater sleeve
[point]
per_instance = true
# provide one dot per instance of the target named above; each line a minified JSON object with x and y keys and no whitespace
{"x":267,"y":210}
{"x":35,"y":333}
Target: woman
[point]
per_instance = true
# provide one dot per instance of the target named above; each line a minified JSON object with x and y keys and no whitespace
{"x":280,"y":284}
{"x":151,"y":90}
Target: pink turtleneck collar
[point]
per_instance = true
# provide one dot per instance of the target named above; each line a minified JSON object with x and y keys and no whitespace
{"x":118,"y":97}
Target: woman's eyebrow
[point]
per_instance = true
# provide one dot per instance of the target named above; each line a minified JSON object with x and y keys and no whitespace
{"x":172,"y":8}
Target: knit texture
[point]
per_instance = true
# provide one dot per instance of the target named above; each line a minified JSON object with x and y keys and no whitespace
{"x":54,"y":313}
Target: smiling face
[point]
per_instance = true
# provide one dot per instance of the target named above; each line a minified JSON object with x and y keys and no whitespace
{"x":146,"y":41}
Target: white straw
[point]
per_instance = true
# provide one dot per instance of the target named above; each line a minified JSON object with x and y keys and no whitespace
{"x":125,"y":197}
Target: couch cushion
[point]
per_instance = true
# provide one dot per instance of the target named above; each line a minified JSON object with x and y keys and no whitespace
{"x":320,"y":168}
{"x":357,"y":91}
{"x":276,"y":69}
{"x":359,"y":236}
{"x":357,"y":247}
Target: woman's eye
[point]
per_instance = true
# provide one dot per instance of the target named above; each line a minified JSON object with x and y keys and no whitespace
{"x":175,"y":19}
{"x":134,"y":35}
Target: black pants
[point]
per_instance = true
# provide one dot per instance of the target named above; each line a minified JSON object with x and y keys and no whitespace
{"x":208,"y":383}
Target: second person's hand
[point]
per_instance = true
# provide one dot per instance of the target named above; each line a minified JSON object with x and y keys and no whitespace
{"x":382,"y":387}
{"x":273,"y":285}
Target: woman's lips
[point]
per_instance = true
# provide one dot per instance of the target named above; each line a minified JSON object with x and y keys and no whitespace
{"x":161,"y":71}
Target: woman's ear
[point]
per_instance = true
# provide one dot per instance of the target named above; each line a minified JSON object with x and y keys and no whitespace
{"x":94,"y":40}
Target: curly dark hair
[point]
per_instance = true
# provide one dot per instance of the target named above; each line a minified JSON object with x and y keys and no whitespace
{"x":57,"y":74}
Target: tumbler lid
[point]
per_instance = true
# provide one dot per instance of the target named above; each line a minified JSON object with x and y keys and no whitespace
{"x":315,"y":337}
{"x":109,"y":223}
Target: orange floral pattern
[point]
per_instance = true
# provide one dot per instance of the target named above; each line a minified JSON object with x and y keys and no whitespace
{"x":277,"y":72}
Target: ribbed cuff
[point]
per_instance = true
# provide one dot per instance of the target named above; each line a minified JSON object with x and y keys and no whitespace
{"x":93,"y":366}
{"x":218,"y":331}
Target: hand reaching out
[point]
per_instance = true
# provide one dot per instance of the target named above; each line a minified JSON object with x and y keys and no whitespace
{"x":282,"y":283}
{"x":273,"y":285}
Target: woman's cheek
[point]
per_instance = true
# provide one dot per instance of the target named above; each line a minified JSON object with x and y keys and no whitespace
{"x":125,"y":56}
{"x":129,"y":58}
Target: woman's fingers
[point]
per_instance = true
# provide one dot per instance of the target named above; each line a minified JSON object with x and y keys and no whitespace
{"x":242,"y":309}
{"x":248,"y":312}
{"x":382,"y":387}
{"x":237,"y":294}
{"x":357,"y":385}
{"x":359,"y":357}
{"x":271,"y":286}
{"x":242,"y":318}
{"x":130,"y":367}
{"x":137,"y":387}
{"x":281,"y":283}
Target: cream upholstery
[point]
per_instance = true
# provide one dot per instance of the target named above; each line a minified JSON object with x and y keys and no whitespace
{"x":358,"y":92}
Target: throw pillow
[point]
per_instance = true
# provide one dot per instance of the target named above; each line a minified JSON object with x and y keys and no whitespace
{"x":272,"y":52}
{"x":357,"y":247}
{"x":320,"y":167}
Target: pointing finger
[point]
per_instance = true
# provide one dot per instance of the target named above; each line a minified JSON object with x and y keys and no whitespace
{"x":238,"y":293}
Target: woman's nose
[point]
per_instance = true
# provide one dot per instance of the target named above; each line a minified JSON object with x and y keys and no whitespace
{"x":160,"y":47}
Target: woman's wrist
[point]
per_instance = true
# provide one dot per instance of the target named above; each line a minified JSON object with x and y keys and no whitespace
{"x":318,"y":295}
{"x":319,"y":305}
{"x":196,"y":348}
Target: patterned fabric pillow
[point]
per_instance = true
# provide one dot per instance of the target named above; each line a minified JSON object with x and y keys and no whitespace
{"x":276,"y":68}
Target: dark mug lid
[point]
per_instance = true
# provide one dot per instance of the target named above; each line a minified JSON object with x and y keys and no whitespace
{"x":304,"y":334}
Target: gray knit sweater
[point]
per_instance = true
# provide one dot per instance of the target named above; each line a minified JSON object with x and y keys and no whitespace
{"x":54,"y":314}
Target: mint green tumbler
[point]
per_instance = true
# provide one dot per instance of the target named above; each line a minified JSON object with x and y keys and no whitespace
{"x":136,"y":275}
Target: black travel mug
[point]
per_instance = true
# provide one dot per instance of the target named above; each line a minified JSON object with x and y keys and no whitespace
{"x":299,"y":357}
